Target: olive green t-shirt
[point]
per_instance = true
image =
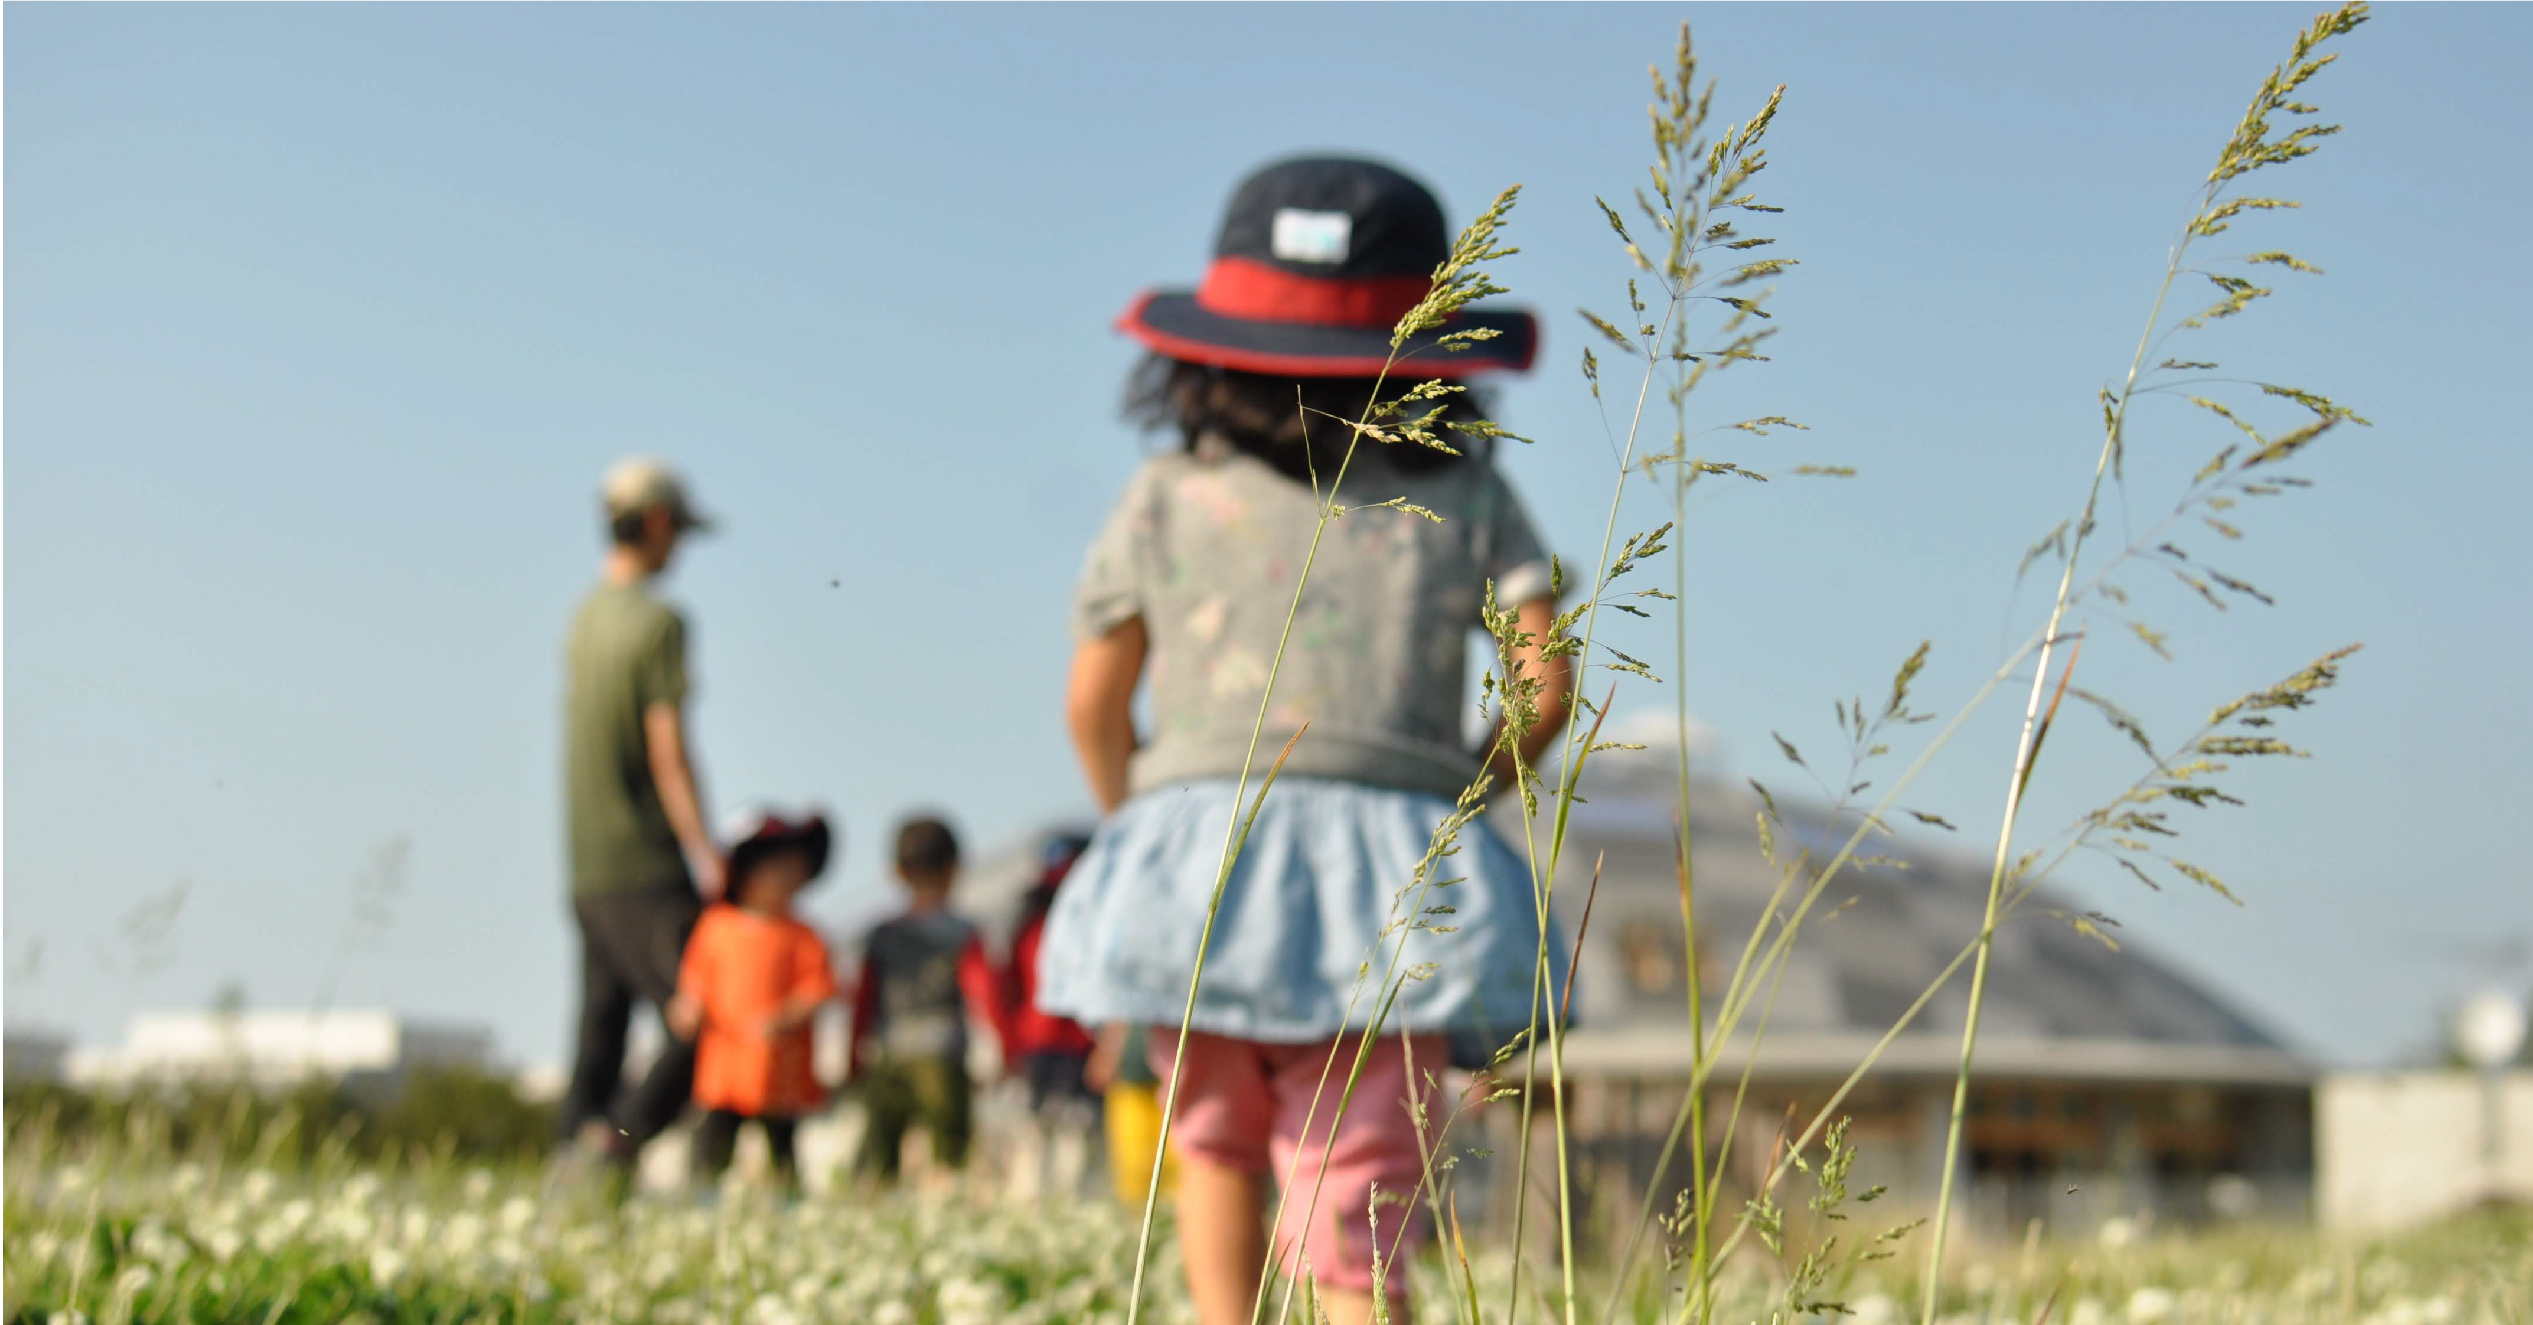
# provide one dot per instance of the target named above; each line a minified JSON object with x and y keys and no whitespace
{"x":627,"y":651}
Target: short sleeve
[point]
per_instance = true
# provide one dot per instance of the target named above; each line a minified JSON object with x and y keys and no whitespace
{"x":1514,"y":559}
{"x":1111,"y":590}
{"x":660,"y":673}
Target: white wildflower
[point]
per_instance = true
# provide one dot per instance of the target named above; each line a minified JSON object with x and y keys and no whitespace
{"x":224,"y":1242}
{"x":2150,"y":1304}
{"x":464,"y":1233}
{"x":517,"y":1213}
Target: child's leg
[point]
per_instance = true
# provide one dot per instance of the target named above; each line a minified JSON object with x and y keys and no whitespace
{"x":1221,"y":1237}
{"x":715,"y":1138}
{"x":947,"y":1108}
{"x":1330,"y":1216}
{"x":781,"y":1135}
{"x":887,"y":1111}
{"x":1223,"y":1118}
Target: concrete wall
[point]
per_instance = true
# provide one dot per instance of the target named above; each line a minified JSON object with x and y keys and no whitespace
{"x":2398,"y":1148}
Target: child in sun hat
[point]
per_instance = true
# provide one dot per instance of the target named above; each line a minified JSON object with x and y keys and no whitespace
{"x":1186,"y":590}
{"x":753,"y":980}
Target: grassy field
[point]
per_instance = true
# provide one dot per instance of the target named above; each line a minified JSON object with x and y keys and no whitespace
{"x":115,"y":1242}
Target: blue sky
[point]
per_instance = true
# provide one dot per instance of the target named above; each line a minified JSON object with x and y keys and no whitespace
{"x":322,"y":321}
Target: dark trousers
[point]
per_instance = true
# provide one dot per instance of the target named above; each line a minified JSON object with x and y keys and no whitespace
{"x":717,"y":1138}
{"x":630,"y":946}
{"x":1057,"y":1079}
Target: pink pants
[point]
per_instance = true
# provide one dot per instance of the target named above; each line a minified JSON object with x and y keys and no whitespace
{"x":1242,"y":1105}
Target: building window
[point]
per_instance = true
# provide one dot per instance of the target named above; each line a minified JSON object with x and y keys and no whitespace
{"x":1650,"y":956}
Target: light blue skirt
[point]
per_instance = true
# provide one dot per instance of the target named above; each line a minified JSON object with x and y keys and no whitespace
{"x":1315,"y":914}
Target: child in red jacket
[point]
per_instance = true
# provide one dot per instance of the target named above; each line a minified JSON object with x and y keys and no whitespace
{"x":1048,"y":1051}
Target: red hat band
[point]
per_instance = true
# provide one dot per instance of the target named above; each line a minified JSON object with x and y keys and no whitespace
{"x":1263,"y":292}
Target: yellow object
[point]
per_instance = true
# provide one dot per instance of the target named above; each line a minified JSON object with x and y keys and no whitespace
{"x":1134,"y":1132}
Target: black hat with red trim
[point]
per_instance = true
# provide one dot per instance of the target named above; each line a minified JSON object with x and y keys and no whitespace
{"x":1319,"y":258}
{"x":758,"y":834}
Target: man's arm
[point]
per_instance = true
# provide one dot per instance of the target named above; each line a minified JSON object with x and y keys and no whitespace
{"x":673,"y":776}
{"x":1099,"y":701}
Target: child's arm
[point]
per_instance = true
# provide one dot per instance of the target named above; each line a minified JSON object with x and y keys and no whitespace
{"x":1107,"y":1047}
{"x":977,"y":982}
{"x":815,"y":988}
{"x":866,"y":1007}
{"x":685,"y":1015}
{"x":685,"y":1011}
{"x":1556,"y":689}
{"x":1099,"y":701}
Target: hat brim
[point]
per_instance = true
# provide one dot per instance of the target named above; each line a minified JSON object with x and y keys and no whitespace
{"x":1173,"y":323}
{"x":815,"y":839}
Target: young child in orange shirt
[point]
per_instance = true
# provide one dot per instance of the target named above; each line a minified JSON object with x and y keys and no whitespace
{"x":753,"y":979}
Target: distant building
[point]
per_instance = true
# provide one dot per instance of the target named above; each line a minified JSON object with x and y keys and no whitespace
{"x":361,"y":1048}
{"x":2406,"y":1147}
{"x":34,"y":1055}
{"x":2106,"y":1083}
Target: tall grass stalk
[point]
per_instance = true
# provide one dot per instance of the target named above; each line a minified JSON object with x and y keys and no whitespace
{"x":2184,"y":774}
{"x":1693,"y":179}
{"x":2251,"y":148}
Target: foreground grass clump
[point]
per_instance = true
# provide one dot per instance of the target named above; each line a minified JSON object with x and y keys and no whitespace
{"x":181,"y":1242}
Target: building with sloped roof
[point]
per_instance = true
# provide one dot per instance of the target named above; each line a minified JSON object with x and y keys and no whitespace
{"x":2105,"y":1082}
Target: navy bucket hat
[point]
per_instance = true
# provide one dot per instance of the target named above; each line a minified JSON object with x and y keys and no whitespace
{"x":1318,"y":259}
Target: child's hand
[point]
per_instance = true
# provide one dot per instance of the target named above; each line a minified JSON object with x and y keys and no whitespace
{"x":1106,"y":1049}
{"x":685,"y":1016}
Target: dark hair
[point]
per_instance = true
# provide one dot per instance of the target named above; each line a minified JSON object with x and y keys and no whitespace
{"x":814,"y":842}
{"x":926,"y":848}
{"x":1284,"y":421}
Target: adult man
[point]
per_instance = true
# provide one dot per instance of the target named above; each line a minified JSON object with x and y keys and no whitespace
{"x":641,"y":858}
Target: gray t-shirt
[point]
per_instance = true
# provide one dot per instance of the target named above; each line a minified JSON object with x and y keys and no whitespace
{"x":1206,"y":548}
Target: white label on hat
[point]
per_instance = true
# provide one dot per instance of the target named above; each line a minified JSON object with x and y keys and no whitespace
{"x":1302,"y":236}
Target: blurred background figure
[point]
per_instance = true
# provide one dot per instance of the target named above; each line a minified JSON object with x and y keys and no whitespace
{"x":640,"y":858}
{"x":1121,"y":1069}
{"x":1051,"y":1054}
{"x":924,"y":975}
{"x":754,"y":977}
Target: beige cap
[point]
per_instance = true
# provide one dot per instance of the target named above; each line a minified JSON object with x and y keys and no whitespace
{"x":641,"y":483}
